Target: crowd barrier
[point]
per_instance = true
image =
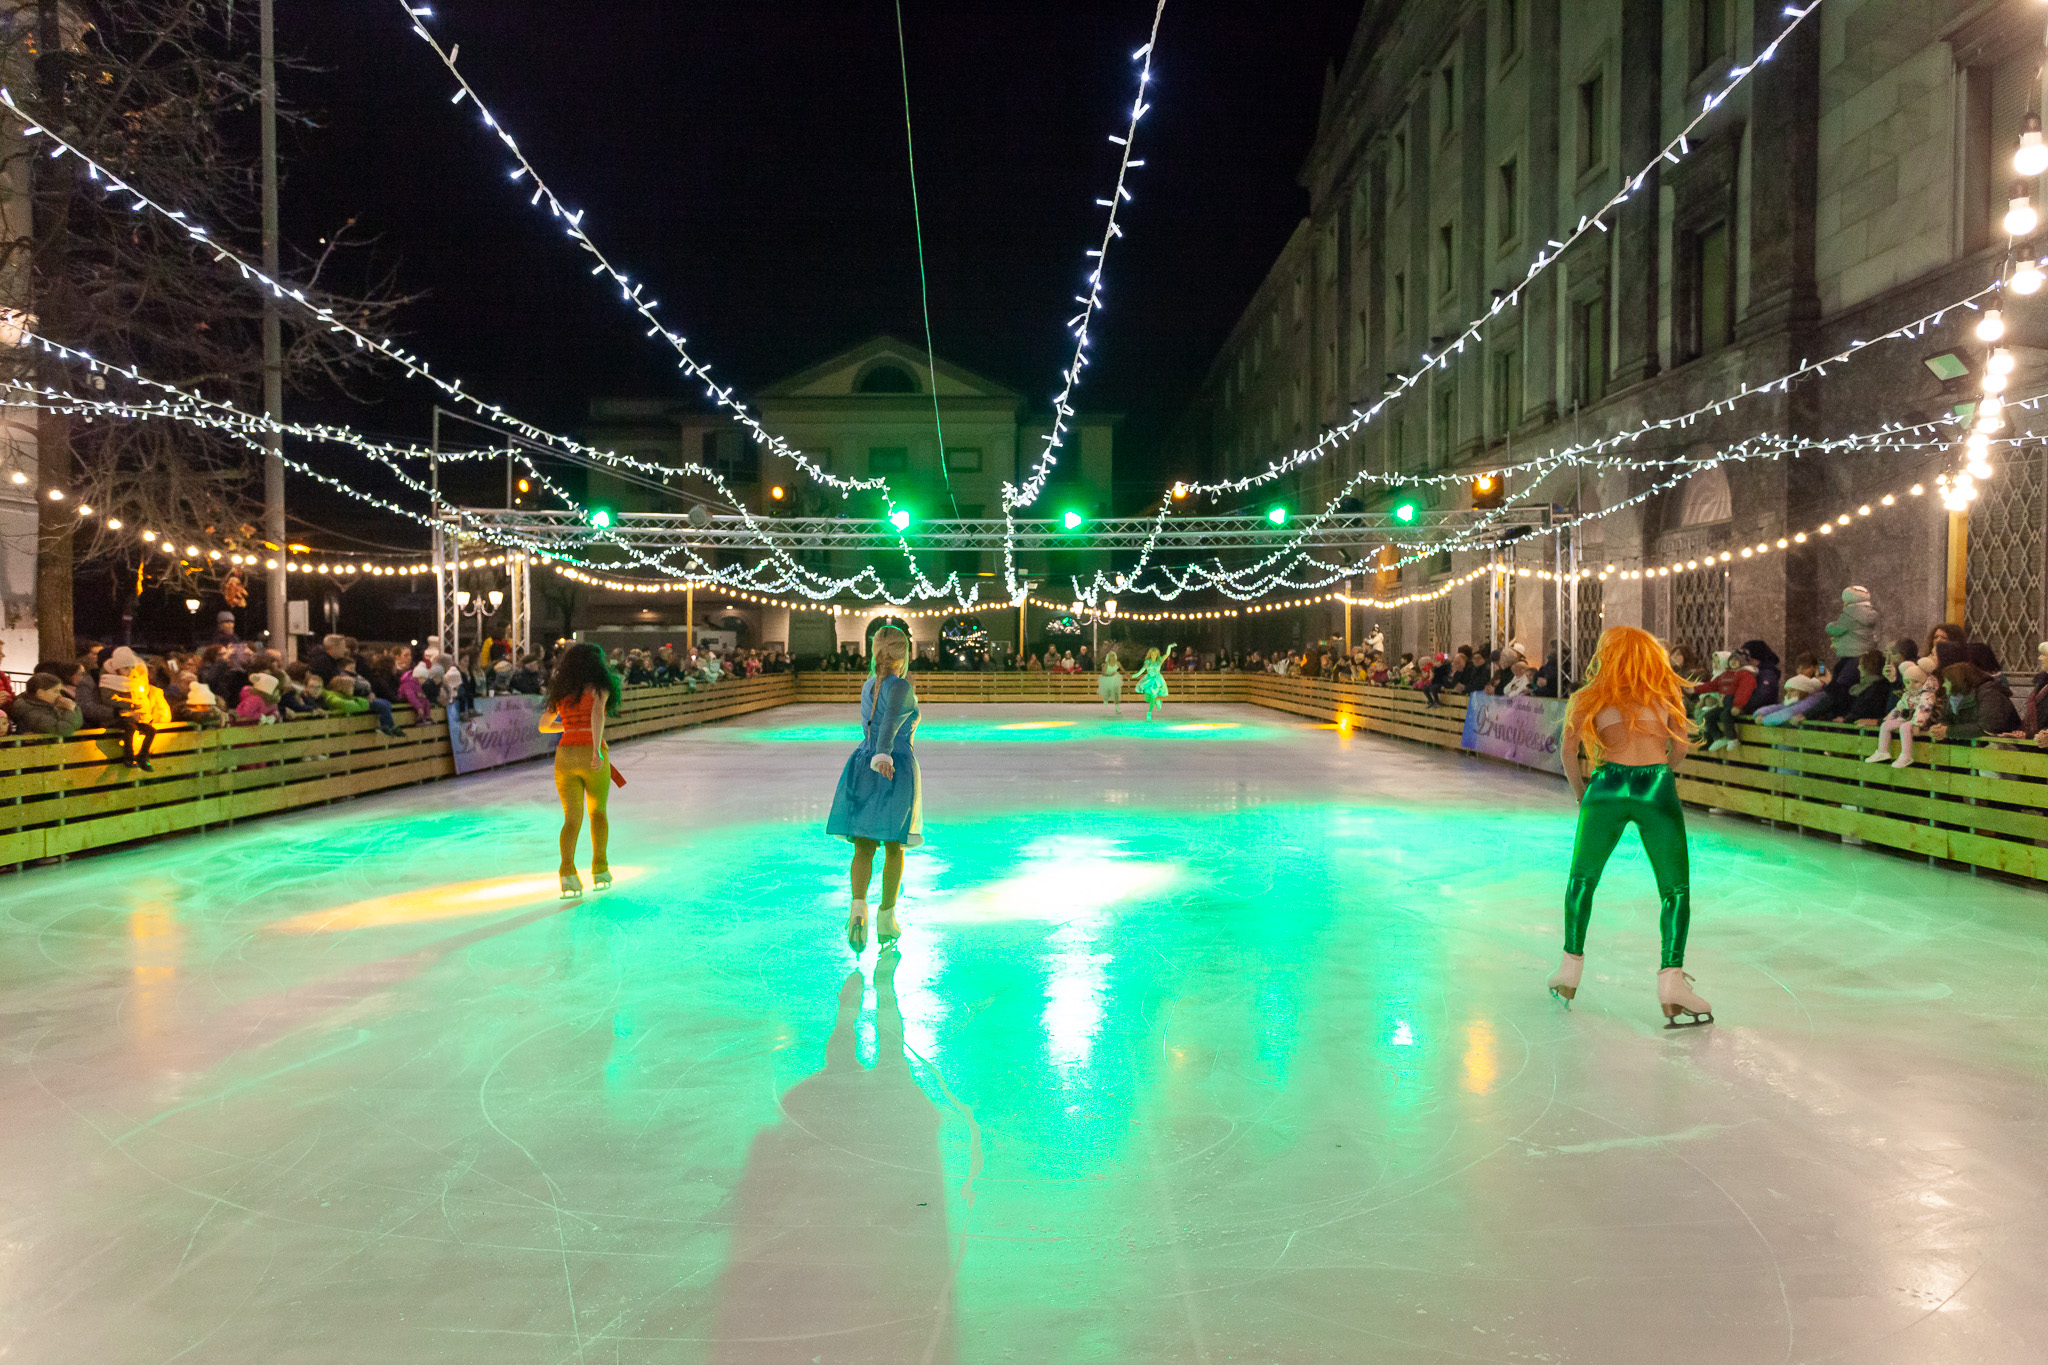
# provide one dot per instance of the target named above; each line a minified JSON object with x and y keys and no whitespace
{"x":1969,"y":804}
{"x":64,"y":797}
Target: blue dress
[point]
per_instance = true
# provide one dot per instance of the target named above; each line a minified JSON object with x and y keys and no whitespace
{"x":868,"y":805}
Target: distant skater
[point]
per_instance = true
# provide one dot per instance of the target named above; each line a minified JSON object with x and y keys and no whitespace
{"x":881,"y":795}
{"x":1110,"y":686}
{"x":1630,"y":718}
{"x":1151,"y":683}
{"x":582,"y":692}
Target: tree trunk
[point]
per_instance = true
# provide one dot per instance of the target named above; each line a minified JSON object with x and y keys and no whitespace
{"x":55,"y":519}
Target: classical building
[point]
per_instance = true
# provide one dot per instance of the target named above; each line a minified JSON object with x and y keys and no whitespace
{"x":864,"y":413}
{"x":1855,"y":183}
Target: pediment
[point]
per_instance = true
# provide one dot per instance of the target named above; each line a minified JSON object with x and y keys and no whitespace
{"x":885,"y":363}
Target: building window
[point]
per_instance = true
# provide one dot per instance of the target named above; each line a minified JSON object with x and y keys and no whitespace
{"x":1710,"y":279}
{"x":1446,"y":259}
{"x":967,"y":459}
{"x":1397,"y":443}
{"x":1589,"y":352}
{"x":1592,"y":122}
{"x":888,"y":459}
{"x":1361,"y":328}
{"x":1507,"y":392}
{"x":1397,"y":167}
{"x":1447,"y":98}
{"x":1300,"y":299}
{"x":1510,"y":30}
{"x":1444,"y":429}
{"x":1508,"y":221}
{"x":1397,"y":305}
{"x":1713,"y":33}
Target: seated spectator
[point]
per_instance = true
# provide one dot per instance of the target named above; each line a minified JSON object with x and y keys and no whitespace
{"x":528,"y":682}
{"x":299,"y":696}
{"x":1803,"y":691}
{"x":1476,"y":674}
{"x":1871,"y":695}
{"x":2036,"y":713}
{"x":1764,"y":660}
{"x":1980,"y":705}
{"x":327,"y":660}
{"x":43,"y":709}
{"x":258,"y":703}
{"x":84,"y":693}
{"x":1546,"y":681}
{"x":412,"y":690}
{"x":1521,"y":678}
{"x":201,"y":707}
{"x":1441,"y":674}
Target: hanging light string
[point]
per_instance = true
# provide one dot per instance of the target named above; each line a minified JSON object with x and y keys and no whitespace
{"x":1591,"y":455}
{"x":1020,"y":495}
{"x":413,"y":365}
{"x":1679,"y":147}
{"x":634,"y":297}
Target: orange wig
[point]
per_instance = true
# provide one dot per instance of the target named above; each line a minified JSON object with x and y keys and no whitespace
{"x":1630,"y":672}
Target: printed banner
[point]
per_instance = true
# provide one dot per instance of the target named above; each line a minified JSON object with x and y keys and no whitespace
{"x":502,"y":730}
{"x":1524,"y":730}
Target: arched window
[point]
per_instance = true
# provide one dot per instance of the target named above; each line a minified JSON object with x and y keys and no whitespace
{"x":1706,"y":498}
{"x":886,"y":378}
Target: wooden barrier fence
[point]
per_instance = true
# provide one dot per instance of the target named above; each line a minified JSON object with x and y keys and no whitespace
{"x":1980,"y":806}
{"x":68,"y":797}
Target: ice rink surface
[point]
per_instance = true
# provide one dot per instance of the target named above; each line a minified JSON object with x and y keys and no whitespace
{"x":1220,"y":1039}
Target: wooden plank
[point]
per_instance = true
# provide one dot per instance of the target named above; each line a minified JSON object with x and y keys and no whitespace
{"x":2000,"y":855}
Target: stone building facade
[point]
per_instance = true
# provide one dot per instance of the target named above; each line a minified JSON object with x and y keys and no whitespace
{"x":1853,"y":184}
{"x":863,"y":413}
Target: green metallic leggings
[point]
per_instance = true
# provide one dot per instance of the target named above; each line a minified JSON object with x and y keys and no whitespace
{"x":1615,"y":796}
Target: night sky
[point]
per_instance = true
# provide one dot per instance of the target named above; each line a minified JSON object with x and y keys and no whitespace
{"x":747,"y":160}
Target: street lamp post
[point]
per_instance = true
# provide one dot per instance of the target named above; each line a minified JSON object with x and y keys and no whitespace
{"x":484,"y":607}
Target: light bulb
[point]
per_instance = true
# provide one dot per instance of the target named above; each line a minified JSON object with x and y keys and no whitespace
{"x":1979,"y":469}
{"x":1977,"y":444}
{"x":2028,"y":278}
{"x":1993,"y":406}
{"x":2020,"y":218}
{"x":1994,"y":382}
{"x":2032,"y":157}
{"x":2001,"y":362}
{"x":1991,"y":326}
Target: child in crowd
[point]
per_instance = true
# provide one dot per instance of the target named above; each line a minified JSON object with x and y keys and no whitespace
{"x":258,"y":703}
{"x":1802,"y":692}
{"x":1717,"y":699}
{"x":1919,"y":697}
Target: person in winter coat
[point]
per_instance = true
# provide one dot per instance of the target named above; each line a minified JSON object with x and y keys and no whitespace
{"x":145,"y":710}
{"x":43,"y":709}
{"x":1871,"y":698}
{"x":1980,"y":703}
{"x":1765,"y":660}
{"x":412,"y":691}
{"x":2035,"y":713}
{"x":258,"y":703}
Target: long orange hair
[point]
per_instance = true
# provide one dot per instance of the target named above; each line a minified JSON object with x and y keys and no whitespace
{"x":1630,"y":671}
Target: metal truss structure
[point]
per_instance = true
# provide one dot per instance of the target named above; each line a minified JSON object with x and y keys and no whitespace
{"x":1184,"y":537}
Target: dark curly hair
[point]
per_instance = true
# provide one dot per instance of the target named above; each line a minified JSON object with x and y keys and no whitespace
{"x":582,"y":667}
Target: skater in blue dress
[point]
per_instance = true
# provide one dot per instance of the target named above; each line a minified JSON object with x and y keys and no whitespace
{"x":880,"y":798}
{"x":1151,"y":682}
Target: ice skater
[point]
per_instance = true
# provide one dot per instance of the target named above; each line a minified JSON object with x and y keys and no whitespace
{"x":1151,"y":683}
{"x":1110,"y":686}
{"x":582,"y":692}
{"x":1630,"y":718}
{"x":881,"y":796}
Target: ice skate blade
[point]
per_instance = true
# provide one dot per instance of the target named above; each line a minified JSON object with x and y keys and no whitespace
{"x":1565,"y":993}
{"x":1671,"y":1019}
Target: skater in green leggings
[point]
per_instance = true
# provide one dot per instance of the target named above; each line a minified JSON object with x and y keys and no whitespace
{"x":1630,"y":719}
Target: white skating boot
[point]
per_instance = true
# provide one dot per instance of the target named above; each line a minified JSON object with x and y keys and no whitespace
{"x":1675,"y":994}
{"x":1564,"y":983}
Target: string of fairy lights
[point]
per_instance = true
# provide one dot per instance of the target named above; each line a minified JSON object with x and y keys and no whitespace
{"x":1285,"y":568}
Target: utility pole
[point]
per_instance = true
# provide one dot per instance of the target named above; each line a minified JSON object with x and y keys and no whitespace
{"x":274,"y":585}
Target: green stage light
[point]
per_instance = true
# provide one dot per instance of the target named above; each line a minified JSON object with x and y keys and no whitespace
{"x":1407,"y":508}
{"x":601,"y":518}
{"x":900,"y":519}
{"x":1071,"y":520}
{"x":1277,"y":515}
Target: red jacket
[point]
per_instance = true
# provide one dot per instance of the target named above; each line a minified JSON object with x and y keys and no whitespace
{"x":1735,"y":684}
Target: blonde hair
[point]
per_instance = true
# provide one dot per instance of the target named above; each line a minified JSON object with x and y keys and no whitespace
{"x":1152,"y":654}
{"x":889,"y":644}
{"x":1110,"y":661}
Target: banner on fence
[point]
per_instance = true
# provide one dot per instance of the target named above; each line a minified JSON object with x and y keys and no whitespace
{"x":501,"y":730}
{"x":1523,"y":730}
